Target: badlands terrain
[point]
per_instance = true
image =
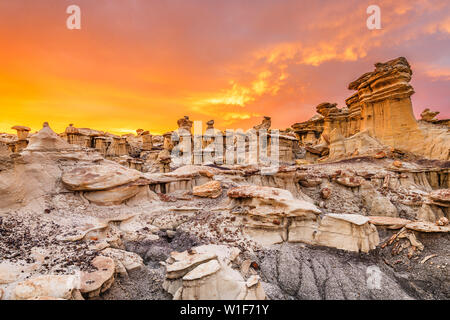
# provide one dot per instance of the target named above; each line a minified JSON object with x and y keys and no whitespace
{"x":358,"y":207}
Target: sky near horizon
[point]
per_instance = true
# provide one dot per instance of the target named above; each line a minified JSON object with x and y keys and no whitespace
{"x":146,"y":63}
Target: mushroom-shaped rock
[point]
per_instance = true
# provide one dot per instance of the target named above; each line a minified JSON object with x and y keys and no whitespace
{"x":55,"y":286}
{"x":428,"y":115}
{"x":22,"y":132}
{"x":210,"y":125}
{"x":185,"y":124}
{"x":212,"y":189}
{"x":96,"y":282}
{"x":326,"y":108}
{"x":99,"y":177}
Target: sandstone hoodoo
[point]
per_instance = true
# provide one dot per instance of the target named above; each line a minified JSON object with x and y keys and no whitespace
{"x":380,"y":108}
{"x":307,"y":212}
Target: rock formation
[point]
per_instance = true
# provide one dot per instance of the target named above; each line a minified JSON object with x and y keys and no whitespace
{"x":211,"y":189}
{"x":380,"y":111}
{"x":87,"y":214}
{"x":205,"y":273}
{"x":265,"y":125}
{"x":428,"y":115}
{"x":185,"y":124}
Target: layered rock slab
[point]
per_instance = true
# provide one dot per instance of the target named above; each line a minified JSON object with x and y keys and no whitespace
{"x":205,"y":273}
{"x":99,"y":177}
{"x":268,"y":211}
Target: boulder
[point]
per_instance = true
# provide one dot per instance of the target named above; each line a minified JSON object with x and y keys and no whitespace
{"x":22,"y":132}
{"x":308,"y":180}
{"x":325,"y":193}
{"x":375,"y":202}
{"x":212,"y":189}
{"x":95,"y":282}
{"x":380,"y":155}
{"x":443,"y":221}
{"x":428,"y":115}
{"x":397,"y":164}
{"x":349,"y":181}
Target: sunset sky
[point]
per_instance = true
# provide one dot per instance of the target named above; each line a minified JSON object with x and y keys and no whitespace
{"x":146,"y":63}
